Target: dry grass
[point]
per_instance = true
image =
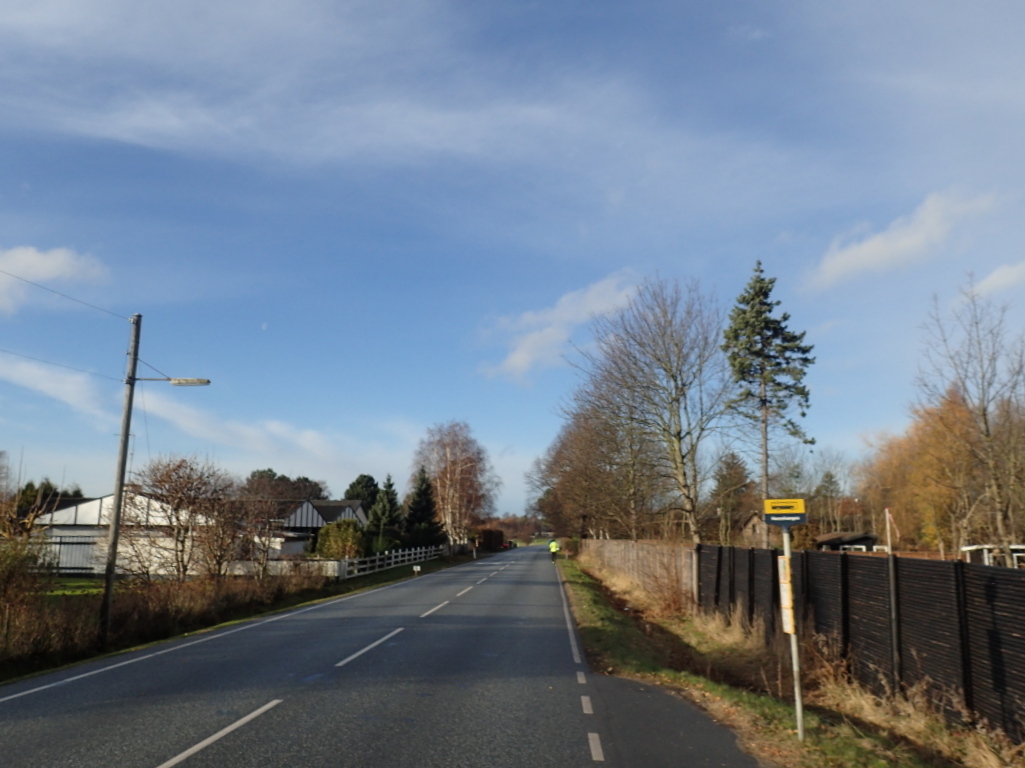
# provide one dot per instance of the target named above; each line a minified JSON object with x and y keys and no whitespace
{"x":40,"y":630}
{"x":907,"y":729}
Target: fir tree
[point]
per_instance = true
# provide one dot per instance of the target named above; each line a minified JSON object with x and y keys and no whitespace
{"x":385,"y":517}
{"x":422,"y":525}
{"x":768,"y":361}
{"x":364,"y":488}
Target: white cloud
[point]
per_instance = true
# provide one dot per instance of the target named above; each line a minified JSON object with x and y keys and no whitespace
{"x":908,"y":240}
{"x":77,"y":390}
{"x":81,"y":393}
{"x":57,"y":265}
{"x":261,"y":437}
{"x":1001,"y":278}
{"x":540,"y":337}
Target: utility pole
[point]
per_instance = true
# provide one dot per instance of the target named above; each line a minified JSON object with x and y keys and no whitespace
{"x":114,"y":530}
{"x":122,"y":468}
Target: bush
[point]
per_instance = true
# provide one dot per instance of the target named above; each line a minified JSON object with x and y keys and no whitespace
{"x":339,"y":540}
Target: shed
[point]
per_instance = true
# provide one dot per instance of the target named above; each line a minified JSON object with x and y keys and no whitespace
{"x":846,"y":541}
{"x":993,"y":554}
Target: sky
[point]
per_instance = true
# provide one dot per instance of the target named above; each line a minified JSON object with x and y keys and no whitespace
{"x":363,"y":219}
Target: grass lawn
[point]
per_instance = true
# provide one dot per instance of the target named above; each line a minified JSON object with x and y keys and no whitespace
{"x":75,"y":585}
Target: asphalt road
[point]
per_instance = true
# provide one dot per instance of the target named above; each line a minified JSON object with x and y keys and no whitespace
{"x":472,"y":666}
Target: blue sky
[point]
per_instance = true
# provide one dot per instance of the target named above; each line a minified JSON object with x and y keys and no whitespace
{"x":360,"y":219}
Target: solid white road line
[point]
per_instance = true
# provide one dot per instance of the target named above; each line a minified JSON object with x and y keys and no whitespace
{"x":581,"y":679}
{"x":596,"y":754}
{"x":219,"y":735}
{"x":585,"y":702}
{"x":569,"y":624}
{"x":204,"y":639}
{"x":373,"y":645}
{"x":464,"y":591}
{"x":435,"y":608}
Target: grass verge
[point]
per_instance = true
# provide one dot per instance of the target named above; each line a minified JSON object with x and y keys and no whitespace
{"x":697,"y":661}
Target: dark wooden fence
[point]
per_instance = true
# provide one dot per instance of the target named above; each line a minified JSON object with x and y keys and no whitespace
{"x":955,"y":627}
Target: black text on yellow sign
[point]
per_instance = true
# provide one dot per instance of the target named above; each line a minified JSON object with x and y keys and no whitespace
{"x":785,"y":512}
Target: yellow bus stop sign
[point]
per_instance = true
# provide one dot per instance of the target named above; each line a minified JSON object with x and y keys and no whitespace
{"x":785,"y":512}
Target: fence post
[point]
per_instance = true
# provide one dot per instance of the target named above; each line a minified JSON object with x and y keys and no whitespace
{"x":967,"y":685}
{"x":718,"y":576}
{"x":750,"y":586}
{"x":845,"y":612}
{"x":695,"y":573}
{"x":898,"y":675}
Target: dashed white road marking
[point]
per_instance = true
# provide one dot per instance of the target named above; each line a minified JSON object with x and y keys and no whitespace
{"x":493,"y":573}
{"x":373,"y":645}
{"x":483,"y":580}
{"x":464,"y":591}
{"x":595,"y":742}
{"x":585,"y":703}
{"x":435,"y":608}
{"x":581,"y":678}
{"x":219,"y":735}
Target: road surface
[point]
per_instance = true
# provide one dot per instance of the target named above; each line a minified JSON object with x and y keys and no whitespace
{"x":477,"y":665}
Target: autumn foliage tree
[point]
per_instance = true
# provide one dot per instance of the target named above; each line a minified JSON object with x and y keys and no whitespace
{"x":956,"y":476}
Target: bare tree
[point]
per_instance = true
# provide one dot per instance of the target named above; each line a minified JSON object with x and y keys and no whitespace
{"x":461,"y":474}
{"x":265,"y":503}
{"x":662,"y":354}
{"x":220,"y":535}
{"x":972,"y":356}
{"x":169,"y":512}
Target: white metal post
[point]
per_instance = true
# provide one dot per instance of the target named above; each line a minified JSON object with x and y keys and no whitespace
{"x":795,"y":656}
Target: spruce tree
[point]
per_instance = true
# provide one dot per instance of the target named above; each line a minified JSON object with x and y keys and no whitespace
{"x":385,"y":517}
{"x":364,"y":488}
{"x":422,"y":525}
{"x":768,"y":361}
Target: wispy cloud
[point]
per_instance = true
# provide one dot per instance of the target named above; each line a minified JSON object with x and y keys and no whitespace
{"x":539,"y":337}
{"x":60,"y":265}
{"x":1001,"y":279}
{"x":78,"y":390}
{"x":81,"y":392}
{"x":265,"y":436}
{"x":908,"y":240}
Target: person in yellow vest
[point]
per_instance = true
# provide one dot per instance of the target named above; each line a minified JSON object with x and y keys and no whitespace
{"x":553,"y":547}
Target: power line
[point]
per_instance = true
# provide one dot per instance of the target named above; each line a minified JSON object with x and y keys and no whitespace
{"x":64,"y":295}
{"x":58,"y":365}
{"x":154,"y":368}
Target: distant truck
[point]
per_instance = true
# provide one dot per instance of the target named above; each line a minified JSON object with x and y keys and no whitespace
{"x":491,"y":539}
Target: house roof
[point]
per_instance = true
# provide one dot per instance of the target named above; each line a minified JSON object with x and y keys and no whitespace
{"x":843,"y":537}
{"x":96,"y":512}
{"x":316,"y":513}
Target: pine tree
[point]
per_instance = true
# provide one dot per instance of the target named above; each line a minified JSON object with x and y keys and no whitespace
{"x":385,"y":517}
{"x":364,"y":488}
{"x":768,"y":361}
{"x":422,"y":525}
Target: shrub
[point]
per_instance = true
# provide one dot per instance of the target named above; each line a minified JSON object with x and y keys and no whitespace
{"x":340,"y":539}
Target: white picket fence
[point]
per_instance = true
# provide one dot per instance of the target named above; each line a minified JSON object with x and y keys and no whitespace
{"x":341,"y":569}
{"x":87,"y":555}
